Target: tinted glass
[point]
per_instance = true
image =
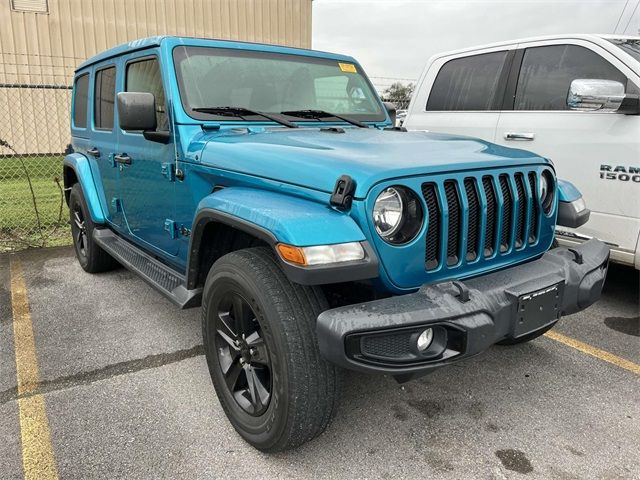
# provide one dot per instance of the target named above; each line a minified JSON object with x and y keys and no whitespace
{"x":469,"y":83}
{"x":629,"y":45}
{"x":104,"y":98}
{"x":272,"y":82}
{"x":144,"y":76}
{"x":547,"y":72}
{"x":80,"y":100}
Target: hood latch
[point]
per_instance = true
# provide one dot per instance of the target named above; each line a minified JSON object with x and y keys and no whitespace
{"x":342,"y":195}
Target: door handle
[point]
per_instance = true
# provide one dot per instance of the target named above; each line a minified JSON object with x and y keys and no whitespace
{"x":94,"y":152}
{"x":122,"y":158}
{"x":519,"y":136}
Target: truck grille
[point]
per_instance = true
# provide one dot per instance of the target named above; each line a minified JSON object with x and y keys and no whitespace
{"x":458,"y":232}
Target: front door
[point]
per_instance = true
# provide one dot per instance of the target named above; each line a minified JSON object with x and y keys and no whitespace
{"x":147,"y":183}
{"x":581,"y":144}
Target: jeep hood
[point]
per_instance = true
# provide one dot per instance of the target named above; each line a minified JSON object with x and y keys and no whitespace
{"x":315,"y":158}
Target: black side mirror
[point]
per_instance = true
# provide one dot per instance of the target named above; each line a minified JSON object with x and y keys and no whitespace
{"x":630,"y":105}
{"x":391,"y":110}
{"x":137,"y":112}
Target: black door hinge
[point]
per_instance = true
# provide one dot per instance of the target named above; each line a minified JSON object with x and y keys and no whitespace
{"x":342,"y":195}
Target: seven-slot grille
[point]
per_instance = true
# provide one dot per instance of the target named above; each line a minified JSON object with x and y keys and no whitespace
{"x":455,"y":209}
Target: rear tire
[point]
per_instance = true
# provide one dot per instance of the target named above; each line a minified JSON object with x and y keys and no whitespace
{"x":91,"y":257}
{"x":295,"y":390}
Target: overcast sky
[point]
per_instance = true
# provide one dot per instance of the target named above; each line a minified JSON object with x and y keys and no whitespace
{"x":394,"y":38}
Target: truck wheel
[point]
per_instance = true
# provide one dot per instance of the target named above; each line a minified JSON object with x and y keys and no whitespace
{"x":92,"y":258}
{"x":262,"y":352}
{"x":527,"y":338}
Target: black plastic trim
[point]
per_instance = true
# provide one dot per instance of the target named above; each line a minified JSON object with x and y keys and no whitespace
{"x":312,"y":275}
{"x":573,"y":278}
{"x":569,"y":217}
{"x":512,"y":82}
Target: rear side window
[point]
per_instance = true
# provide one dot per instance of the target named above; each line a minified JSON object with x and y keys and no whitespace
{"x":104,"y":98}
{"x":144,"y":76}
{"x":469,"y":83}
{"x":547,"y":72}
{"x":80,"y":101}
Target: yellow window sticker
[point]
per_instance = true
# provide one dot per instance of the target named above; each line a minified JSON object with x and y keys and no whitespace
{"x":347,"y":67}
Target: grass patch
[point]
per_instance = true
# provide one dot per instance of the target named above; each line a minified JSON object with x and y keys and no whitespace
{"x":19,"y":225}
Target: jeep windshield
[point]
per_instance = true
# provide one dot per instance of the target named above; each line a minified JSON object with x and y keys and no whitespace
{"x":283,"y":85}
{"x":629,"y":45}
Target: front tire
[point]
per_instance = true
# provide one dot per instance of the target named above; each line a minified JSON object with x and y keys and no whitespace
{"x":91,"y":257}
{"x":262,"y":351}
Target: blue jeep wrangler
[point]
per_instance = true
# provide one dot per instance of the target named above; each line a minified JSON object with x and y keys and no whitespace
{"x":268,"y":185}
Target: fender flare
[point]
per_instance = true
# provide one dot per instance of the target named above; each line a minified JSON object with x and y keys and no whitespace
{"x":572,"y":210}
{"x":567,"y":191}
{"x":273,"y":218}
{"x":82,"y":170}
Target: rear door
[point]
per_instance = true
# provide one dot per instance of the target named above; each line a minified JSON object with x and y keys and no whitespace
{"x":462,"y":94}
{"x":582,"y":145}
{"x":147,"y":178}
{"x":103,"y":138}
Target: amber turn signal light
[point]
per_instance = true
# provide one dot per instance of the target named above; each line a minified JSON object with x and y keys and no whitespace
{"x":292,"y":254}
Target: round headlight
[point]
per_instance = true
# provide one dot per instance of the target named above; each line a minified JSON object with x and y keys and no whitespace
{"x":397,"y":215}
{"x":387,"y":212}
{"x":547,"y":191}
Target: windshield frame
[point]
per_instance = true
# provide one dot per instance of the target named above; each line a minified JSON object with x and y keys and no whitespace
{"x":380,"y":118}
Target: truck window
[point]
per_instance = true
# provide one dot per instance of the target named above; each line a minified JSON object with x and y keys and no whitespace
{"x":144,"y":76}
{"x":80,"y":100}
{"x":469,"y":83}
{"x":104,"y":98}
{"x":547,"y":72}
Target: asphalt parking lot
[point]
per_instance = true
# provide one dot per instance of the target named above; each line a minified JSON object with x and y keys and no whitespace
{"x":127,"y":394}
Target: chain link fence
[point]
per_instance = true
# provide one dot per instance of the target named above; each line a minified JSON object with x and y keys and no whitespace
{"x":35,"y":101}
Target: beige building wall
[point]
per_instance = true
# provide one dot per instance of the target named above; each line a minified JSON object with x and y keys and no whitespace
{"x":44,"y":48}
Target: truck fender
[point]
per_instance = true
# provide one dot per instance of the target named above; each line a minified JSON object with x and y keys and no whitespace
{"x":572,"y":210}
{"x":81,"y":168}
{"x":277,"y":218}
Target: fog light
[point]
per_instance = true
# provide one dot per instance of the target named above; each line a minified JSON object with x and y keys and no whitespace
{"x":425,"y":339}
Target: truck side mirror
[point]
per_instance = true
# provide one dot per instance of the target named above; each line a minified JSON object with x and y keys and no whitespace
{"x":391,"y":110}
{"x":137,"y":112}
{"x":595,"y":95}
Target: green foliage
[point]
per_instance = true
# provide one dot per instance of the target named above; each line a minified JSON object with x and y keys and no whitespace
{"x":20,"y":226}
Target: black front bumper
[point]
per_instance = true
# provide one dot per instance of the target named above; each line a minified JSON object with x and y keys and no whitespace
{"x":466,"y":317}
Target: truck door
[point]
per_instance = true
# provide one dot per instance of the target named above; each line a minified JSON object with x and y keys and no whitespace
{"x":103,"y":138}
{"x":581,"y":144}
{"x":461,"y":95}
{"x":147,"y":181}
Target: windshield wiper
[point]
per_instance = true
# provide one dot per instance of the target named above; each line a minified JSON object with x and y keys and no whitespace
{"x":318,"y":114}
{"x":241,"y":112}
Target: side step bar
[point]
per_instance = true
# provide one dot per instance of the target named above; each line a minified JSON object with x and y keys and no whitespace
{"x":166,"y":280}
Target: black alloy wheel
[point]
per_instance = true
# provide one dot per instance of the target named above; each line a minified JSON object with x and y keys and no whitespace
{"x":79,"y":231}
{"x":91,"y":257}
{"x":243,"y":355}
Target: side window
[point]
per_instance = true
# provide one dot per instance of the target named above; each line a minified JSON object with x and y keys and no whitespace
{"x":547,"y":72}
{"x":144,"y":76}
{"x":104,"y":98}
{"x":469,"y":83}
{"x":80,"y":101}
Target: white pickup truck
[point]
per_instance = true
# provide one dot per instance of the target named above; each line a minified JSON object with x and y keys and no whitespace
{"x":571,"y":98}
